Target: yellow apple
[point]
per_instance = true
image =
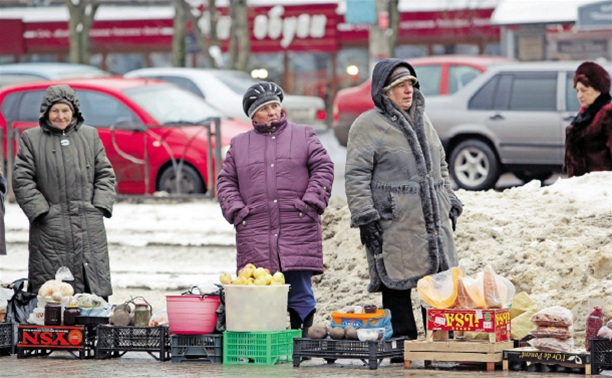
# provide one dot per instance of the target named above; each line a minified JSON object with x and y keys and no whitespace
{"x":260,"y":281}
{"x":240,"y":280}
{"x":245,"y":272}
{"x":268,"y":278}
{"x":259,"y":272}
{"x":250,"y":266}
{"x":279,"y":277}
{"x":225,"y":278}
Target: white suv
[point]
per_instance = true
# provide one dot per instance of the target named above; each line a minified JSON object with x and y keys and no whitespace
{"x":510,"y":119}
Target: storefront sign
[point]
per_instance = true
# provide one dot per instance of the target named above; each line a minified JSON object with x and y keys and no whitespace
{"x":56,"y":337}
{"x":277,"y":28}
{"x":595,"y":16}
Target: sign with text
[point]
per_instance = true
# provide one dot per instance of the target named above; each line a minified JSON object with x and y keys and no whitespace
{"x":492,"y":321}
{"x":51,"y":337}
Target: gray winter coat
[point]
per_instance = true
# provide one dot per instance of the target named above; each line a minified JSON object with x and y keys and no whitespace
{"x":65,"y":184}
{"x":396,"y":174}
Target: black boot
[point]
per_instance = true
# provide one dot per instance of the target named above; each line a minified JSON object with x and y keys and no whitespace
{"x":308,"y":322}
{"x":294,"y":319}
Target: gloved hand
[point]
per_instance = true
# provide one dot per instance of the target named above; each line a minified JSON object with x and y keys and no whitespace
{"x":454,"y":214}
{"x":371,"y":236}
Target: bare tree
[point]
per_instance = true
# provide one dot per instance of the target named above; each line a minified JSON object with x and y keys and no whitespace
{"x":179,"y":48}
{"x":240,"y":44}
{"x":82,"y":13}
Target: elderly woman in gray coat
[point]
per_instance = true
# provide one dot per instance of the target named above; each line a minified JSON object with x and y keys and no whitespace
{"x":65,"y":185}
{"x":398,"y":191}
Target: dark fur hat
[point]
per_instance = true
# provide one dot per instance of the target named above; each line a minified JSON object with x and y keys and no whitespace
{"x":591,"y":74}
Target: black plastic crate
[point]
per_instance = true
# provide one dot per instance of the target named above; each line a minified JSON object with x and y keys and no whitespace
{"x":115,"y":341}
{"x":601,"y":354}
{"x":370,"y":352}
{"x":197,"y":348}
{"x":6,"y":339}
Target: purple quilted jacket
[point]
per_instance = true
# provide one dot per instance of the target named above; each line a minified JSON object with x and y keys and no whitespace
{"x":275,"y":183}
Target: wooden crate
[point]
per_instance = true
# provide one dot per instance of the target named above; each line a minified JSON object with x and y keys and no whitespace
{"x":575,"y":359}
{"x":455,"y":351}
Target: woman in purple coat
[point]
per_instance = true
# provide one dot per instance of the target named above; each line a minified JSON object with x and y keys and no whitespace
{"x":275,"y":183}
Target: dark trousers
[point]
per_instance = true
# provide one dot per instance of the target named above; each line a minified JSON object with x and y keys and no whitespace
{"x":402,"y":316}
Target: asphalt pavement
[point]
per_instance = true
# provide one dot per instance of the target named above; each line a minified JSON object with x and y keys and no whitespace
{"x":138,"y":364}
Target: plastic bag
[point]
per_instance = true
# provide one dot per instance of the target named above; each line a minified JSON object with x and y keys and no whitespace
{"x":594,"y":322}
{"x":159,"y":318}
{"x":489,"y":284}
{"x":64,"y":274}
{"x":469,"y":293}
{"x":555,"y":316}
{"x":605,"y":332}
{"x":440,"y":290}
{"x":552,"y":345}
{"x":21,"y":304}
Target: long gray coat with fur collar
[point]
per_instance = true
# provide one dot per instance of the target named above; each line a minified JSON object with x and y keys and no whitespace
{"x":396,"y":173}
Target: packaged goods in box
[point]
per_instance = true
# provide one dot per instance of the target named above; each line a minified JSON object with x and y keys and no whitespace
{"x":252,"y":308}
{"x":192,"y":314}
{"x":197,"y":348}
{"x":343,"y":319}
{"x":259,"y":348}
{"x":495,"y":321}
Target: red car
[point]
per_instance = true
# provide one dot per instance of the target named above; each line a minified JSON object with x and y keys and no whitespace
{"x":438,"y":76}
{"x":147,"y":127}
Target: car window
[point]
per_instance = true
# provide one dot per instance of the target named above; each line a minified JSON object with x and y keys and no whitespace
{"x":9,"y":78}
{"x":181,"y":82}
{"x":459,"y":76}
{"x":29,"y":106}
{"x":571,"y":99}
{"x":533,"y":91}
{"x":236,"y":81}
{"x":483,"y":99}
{"x":429,"y":79}
{"x":102,"y":110}
{"x":170,"y":104}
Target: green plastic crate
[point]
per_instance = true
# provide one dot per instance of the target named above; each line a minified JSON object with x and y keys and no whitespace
{"x":259,"y":348}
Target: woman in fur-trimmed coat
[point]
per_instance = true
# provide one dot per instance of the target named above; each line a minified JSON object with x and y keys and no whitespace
{"x":398,"y":191}
{"x":588,"y":140}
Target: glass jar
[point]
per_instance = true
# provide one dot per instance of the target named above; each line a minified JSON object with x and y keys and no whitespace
{"x":142,"y":314}
{"x":53,"y":314}
{"x":70,"y":315}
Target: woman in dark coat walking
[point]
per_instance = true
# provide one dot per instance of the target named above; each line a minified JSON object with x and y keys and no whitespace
{"x":65,"y":185}
{"x":588,"y":140}
{"x":398,"y":191}
{"x":275,"y":183}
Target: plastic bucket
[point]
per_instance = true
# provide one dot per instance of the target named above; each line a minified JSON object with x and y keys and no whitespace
{"x":192,"y":314}
{"x":252,"y":308}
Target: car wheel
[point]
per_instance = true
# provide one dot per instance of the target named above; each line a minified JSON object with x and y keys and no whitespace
{"x":189,"y":181}
{"x":526,"y":176}
{"x":474,"y":166}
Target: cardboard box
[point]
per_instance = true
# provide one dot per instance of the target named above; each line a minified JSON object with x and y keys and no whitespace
{"x":495,"y":321}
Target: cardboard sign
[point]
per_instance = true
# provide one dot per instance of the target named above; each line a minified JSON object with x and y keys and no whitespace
{"x":51,"y":337}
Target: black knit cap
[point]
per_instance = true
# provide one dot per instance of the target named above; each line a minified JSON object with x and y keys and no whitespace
{"x":261,"y":94}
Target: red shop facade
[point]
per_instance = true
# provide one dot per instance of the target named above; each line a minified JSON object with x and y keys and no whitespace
{"x":306,"y":47}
